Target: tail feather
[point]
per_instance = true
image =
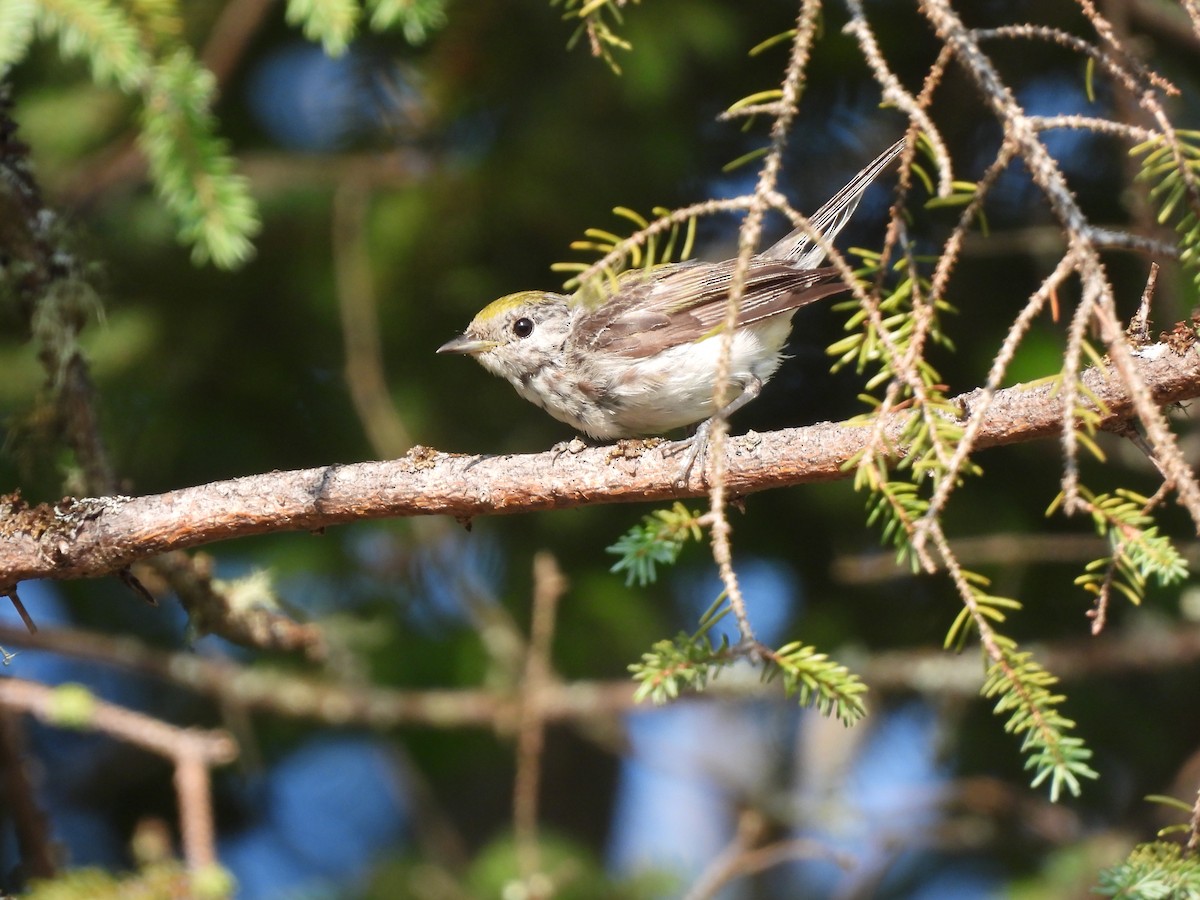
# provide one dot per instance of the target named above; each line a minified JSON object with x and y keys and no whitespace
{"x":799,"y":247}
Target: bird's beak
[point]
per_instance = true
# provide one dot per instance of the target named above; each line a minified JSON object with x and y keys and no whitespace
{"x":466,"y":344}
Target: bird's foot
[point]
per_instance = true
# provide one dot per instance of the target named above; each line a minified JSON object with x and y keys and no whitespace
{"x":696,"y":448}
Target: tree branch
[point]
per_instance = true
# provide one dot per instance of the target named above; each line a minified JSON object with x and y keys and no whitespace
{"x":290,"y":694}
{"x":90,"y":537}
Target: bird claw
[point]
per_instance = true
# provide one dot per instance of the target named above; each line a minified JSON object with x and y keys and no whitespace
{"x":697,"y":451}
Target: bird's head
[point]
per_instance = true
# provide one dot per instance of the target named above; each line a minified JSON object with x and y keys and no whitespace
{"x":517,"y":335}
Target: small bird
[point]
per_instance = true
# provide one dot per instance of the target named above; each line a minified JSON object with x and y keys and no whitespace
{"x":644,"y":361}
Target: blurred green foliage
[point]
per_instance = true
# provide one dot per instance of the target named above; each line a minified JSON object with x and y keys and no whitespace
{"x":207,"y":374}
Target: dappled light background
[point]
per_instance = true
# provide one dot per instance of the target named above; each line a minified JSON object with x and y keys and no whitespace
{"x":409,"y":186}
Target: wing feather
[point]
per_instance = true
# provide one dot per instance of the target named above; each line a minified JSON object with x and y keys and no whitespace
{"x":653,"y":310}
{"x":680,"y":305}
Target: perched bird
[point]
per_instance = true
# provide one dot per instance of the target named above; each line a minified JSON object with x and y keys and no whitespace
{"x":644,"y":361}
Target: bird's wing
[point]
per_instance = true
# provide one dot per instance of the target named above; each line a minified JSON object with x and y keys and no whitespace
{"x":685,"y":304}
{"x":651,"y":310}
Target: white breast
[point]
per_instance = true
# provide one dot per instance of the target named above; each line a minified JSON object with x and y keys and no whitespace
{"x":675,"y":388}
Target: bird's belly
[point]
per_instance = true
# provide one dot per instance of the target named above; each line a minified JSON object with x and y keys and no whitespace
{"x":675,"y":387}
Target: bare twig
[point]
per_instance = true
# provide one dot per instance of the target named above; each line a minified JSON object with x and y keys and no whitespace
{"x":245,"y":611}
{"x":895,"y":93}
{"x":256,"y":689}
{"x":748,"y":240}
{"x":193,"y":789}
{"x":20,"y":797}
{"x":1139,"y":326}
{"x":192,"y":750}
{"x":746,"y":855}
{"x":1193,"y":840}
{"x":157,"y":737}
{"x":1097,"y":306}
{"x":231,"y":36}
{"x":21,"y":611}
{"x":360,"y":324}
{"x":548,"y":587}
{"x":288,"y":694}
{"x":1193,"y":11}
{"x":982,"y":401}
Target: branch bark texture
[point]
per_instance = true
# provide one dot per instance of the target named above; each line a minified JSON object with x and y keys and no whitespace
{"x":90,"y":537}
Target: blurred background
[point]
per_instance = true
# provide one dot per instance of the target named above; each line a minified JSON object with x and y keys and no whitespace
{"x":402,"y":187}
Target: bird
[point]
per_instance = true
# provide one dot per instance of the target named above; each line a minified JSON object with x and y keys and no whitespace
{"x":644,"y":361}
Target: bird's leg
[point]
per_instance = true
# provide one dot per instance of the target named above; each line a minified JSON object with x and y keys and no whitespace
{"x":751,"y":389}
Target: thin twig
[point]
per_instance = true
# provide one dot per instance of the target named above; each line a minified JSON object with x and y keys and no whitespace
{"x":744,"y":856}
{"x":21,"y":611}
{"x":258,"y":689}
{"x":1097,"y":304}
{"x":360,"y":324}
{"x":548,"y":587}
{"x":981,"y":403}
{"x":1193,"y":840}
{"x":748,"y":240}
{"x":193,"y":791}
{"x":17,"y":786}
{"x":1139,"y":325}
{"x":192,"y":750}
{"x":895,"y":94}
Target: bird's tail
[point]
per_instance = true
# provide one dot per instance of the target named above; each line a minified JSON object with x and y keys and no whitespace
{"x":799,"y":246}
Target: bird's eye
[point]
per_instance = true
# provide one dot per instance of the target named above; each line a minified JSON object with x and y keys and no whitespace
{"x":523,"y":327}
